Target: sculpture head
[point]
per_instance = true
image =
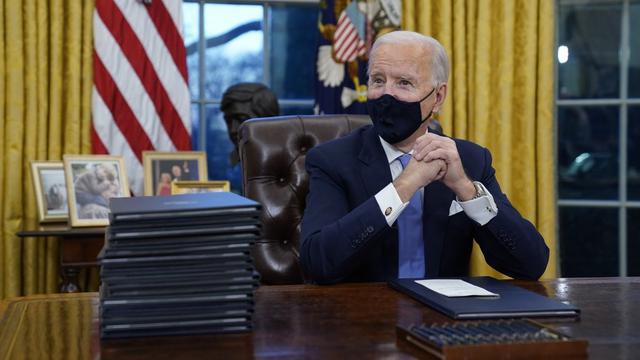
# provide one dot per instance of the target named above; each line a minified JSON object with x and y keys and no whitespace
{"x":244,"y":101}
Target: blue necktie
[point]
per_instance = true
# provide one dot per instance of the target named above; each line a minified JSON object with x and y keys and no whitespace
{"x":410,"y":245}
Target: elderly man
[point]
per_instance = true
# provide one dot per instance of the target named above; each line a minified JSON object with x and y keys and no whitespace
{"x":393,"y":200}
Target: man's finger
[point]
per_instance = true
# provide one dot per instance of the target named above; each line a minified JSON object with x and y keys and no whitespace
{"x":421,"y":150}
{"x":437,"y":154}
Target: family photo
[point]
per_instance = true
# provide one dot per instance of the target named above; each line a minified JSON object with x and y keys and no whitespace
{"x":91,"y":182}
{"x":51,"y":192}
{"x":161,"y":169}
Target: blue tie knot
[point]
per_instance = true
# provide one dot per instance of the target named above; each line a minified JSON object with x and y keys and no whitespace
{"x":404,"y":159}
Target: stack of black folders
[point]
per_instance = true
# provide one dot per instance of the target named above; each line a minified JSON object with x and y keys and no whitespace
{"x":178,"y":265}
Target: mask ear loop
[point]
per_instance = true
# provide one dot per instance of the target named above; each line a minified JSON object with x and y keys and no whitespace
{"x":423,"y":99}
{"x":429,"y":94}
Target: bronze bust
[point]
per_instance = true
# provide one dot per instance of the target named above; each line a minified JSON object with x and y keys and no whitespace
{"x":244,"y":101}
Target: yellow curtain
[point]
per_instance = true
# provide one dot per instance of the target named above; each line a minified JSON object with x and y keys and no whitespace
{"x":45,"y":106}
{"x":501,"y":95}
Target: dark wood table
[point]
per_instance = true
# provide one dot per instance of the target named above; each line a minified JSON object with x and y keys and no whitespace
{"x":307,"y":321}
{"x":79,"y":248}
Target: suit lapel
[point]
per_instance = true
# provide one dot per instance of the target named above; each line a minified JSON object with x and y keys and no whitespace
{"x":437,"y":200}
{"x":375,"y":175}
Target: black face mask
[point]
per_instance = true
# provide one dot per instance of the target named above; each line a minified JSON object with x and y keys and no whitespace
{"x":395,"y":120}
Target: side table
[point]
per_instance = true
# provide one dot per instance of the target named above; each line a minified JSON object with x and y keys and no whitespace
{"x":79,"y":248}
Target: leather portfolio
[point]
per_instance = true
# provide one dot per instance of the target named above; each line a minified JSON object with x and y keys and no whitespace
{"x":512,"y":302}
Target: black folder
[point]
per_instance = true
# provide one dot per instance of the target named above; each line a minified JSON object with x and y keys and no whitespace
{"x":513,"y":301}
{"x":174,"y":208}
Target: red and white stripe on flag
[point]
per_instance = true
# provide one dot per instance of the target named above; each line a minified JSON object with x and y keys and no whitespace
{"x":140,"y":90}
{"x":347,"y":43}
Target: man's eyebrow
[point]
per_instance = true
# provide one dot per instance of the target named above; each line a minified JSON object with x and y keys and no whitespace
{"x":408,"y":77}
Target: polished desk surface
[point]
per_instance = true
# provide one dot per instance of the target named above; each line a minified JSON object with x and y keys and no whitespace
{"x":307,"y":321}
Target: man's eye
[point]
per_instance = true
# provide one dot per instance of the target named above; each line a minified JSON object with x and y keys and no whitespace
{"x":405,"y":83}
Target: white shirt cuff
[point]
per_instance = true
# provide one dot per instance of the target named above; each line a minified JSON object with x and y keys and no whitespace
{"x":482,"y":209}
{"x":390,"y":203}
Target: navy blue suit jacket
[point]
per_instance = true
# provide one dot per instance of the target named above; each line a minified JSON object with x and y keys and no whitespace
{"x":345,"y":236}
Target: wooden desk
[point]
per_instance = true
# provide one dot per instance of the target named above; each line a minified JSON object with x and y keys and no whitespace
{"x":79,"y":247}
{"x":305,"y":321}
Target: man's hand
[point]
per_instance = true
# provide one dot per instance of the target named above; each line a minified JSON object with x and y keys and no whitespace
{"x":418,"y":174}
{"x":430,"y":147}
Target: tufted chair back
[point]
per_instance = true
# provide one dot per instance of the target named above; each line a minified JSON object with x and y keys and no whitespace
{"x":272,"y":153}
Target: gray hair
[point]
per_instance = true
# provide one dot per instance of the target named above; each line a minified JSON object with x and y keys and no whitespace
{"x":439,"y":60}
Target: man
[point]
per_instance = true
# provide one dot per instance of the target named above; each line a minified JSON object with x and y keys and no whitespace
{"x":366,"y":200}
{"x":176,"y":173}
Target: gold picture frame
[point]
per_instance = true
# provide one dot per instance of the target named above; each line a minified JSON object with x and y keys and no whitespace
{"x":190,"y":187}
{"x":91,"y":181}
{"x":50,"y":190}
{"x":163,"y":168}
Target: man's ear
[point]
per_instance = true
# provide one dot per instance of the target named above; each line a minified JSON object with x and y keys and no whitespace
{"x":441,"y":95}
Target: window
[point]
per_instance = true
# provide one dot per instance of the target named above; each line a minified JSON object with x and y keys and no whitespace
{"x":598,"y":137}
{"x":270,"y":42}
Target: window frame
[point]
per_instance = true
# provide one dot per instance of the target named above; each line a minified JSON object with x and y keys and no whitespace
{"x":200,"y":100}
{"x":622,"y":203}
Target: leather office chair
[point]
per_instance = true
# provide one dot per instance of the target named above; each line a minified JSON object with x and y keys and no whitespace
{"x":272,"y":153}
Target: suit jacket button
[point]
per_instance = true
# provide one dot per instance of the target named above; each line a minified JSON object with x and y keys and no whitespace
{"x":388,"y":211}
{"x":369,"y":229}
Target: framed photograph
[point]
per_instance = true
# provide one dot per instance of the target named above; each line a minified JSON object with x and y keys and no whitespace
{"x":163,"y":168}
{"x":190,"y":187}
{"x":51,"y":191}
{"x":91,"y":181}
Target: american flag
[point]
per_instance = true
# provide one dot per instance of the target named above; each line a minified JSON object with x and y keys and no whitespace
{"x":350,"y":34}
{"x":140,"y":95}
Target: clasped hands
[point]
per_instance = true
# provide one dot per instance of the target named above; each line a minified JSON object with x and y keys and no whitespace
{"x":434,"y":158}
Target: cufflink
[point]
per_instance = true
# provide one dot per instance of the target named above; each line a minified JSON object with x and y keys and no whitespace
{"x":388,"y":211}
{"x":479,"y":190}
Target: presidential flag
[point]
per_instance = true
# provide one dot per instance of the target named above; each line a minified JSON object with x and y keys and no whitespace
{"x":348,"y":29}
{"x":140,"y":95}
